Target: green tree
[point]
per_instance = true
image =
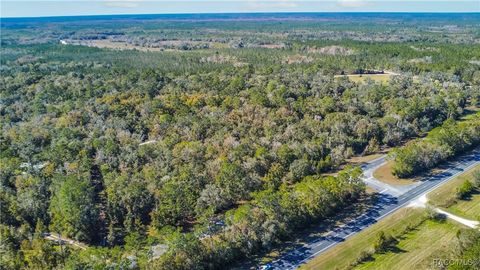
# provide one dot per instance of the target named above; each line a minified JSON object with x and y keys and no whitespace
{"x":40,"y":253}
{"x":73,"y":210}
{"x":464,"y":190}
{"x":185,"y":252}
{"x":384,"y":242}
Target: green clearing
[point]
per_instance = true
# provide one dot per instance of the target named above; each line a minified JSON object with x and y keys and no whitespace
{"x":417,"y":248}
{"x":469,"y":209}
{"x":444,"y":197}
{"x":381,"y":78}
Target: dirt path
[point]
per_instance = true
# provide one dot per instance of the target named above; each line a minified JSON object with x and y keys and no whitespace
{"x":62,"y":240}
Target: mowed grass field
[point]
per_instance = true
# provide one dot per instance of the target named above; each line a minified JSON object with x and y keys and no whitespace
{"x":381,"y":78}
{"x":418,"y":248}
{"x":445,"y":195}
{"x":469,"y":209}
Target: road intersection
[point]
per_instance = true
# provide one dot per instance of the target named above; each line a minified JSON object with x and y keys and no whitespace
{"x":390,"y":198}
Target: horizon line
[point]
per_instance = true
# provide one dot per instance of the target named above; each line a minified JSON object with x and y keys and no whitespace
{"x":252,"y":12}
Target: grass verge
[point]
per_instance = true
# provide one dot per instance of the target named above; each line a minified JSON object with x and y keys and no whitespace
{"x":417,"y":249}
{"x":343,"y":255}
{"x":444,"y":197}
{"x":384,"y":174}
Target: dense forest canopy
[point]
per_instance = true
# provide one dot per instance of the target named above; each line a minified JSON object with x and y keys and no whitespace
{"x":209,"y":138}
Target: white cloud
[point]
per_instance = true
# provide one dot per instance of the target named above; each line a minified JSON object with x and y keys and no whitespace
{"x":122,"y":3}
{"x":352,"y":3}
{"x":259,"y":4}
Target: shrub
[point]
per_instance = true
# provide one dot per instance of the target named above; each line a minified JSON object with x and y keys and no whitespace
{"x":364,"y":256}
{"x":384,"y":242}
{"x":464,"y":190}
{"x":434,"y":215}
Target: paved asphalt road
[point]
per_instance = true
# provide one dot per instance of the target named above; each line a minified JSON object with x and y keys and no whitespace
{"x":385,"y":205}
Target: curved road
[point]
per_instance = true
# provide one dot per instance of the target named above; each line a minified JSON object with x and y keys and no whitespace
{"x":389,"y":200}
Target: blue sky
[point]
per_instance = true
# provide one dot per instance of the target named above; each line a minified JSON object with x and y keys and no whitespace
{"x":36,"y":8}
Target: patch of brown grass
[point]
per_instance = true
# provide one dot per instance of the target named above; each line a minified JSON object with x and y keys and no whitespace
{"x":359,"y":160}
{"x":384,"y":174}
{"x":370,"y":190}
